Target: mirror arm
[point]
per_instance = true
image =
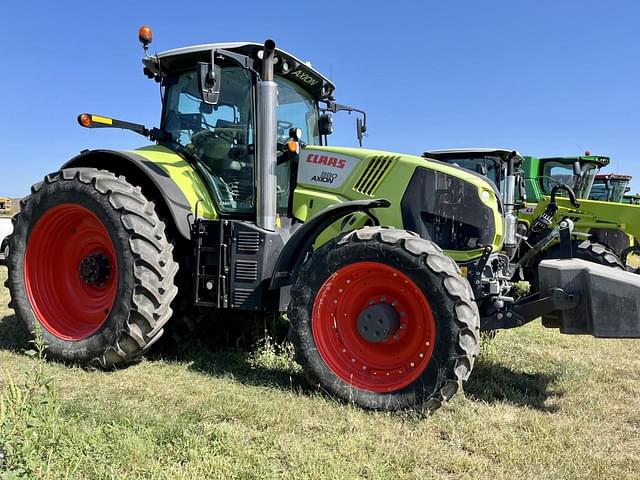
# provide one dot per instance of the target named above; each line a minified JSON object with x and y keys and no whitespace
{"x":337,"y":107}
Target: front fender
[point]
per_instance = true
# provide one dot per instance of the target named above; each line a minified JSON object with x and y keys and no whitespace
{"x":293,"y":254}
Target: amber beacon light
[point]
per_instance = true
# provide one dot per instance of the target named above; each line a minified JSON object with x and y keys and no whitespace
{"x":145,"y":36}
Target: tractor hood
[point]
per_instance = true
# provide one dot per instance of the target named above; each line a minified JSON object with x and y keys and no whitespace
{"x":424,"y":193}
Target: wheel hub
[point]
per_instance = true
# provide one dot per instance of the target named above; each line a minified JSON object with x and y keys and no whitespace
{"x":95,"y":269}
{"x":377,"y":322}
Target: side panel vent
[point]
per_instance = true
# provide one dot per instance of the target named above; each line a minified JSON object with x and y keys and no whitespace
{"x":246,"y":270}
{"x":248,"y":242}
{"x":373,"y":175}
{"x":241,"y":296}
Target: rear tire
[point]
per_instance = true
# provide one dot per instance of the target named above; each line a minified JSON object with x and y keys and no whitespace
{"x":91,"y":266}
{"x":408,"y":275}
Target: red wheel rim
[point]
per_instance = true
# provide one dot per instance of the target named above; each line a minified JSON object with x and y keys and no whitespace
{"x":386,"y":366}
{"x":68,"y":301}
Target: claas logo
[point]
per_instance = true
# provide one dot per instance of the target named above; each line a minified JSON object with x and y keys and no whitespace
{"x":326,"y":160}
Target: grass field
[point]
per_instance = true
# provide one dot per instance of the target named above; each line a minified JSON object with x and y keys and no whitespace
{"x":539,"y":405}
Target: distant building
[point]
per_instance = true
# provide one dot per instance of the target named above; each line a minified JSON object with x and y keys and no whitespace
{"x":5,"y":205}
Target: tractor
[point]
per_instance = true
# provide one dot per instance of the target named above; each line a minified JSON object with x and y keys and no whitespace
{"x":610,"y":224}
{"x":387,"y":265}
{"x":600,"y":232}
{"x":610,"y":187}
{"x":495,"y":163}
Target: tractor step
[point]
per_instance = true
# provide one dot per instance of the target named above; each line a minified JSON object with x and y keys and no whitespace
{"x":608,"y":299}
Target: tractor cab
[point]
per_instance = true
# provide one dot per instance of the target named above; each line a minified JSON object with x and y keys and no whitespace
{"x":610,"y":188}
{"x":503,"y":169}
{"x":578,"y":173}
{"x":491,"y":163}
{"x":210,"y":109}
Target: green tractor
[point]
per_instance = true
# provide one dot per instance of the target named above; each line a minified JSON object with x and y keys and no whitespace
{"x":495,"y":163}
{"x":610,"y":187}
{"x":611,"y":224}
{"x":600,"y":232}
{"x":387,"y":266}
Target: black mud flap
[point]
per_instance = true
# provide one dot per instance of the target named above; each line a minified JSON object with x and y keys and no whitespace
{"x":608,"y":299}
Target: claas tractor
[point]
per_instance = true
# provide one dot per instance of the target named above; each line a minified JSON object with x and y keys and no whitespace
{"x":387,"y":265}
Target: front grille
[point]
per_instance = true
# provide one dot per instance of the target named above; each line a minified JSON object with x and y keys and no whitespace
{"x":448,"y":211}
{"x":373,"y":175}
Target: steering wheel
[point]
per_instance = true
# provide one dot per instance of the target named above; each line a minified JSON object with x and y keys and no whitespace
{"x":202,"y":138}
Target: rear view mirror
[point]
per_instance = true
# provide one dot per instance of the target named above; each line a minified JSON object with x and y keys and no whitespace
{"x":361,"y":129}
{"x":577,"y":168}
{"x":209,"y":80}
{"x":325,"y":124}
{"x":481,"y":168}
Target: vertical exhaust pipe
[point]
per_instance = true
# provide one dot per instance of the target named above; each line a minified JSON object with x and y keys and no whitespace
{"x":510,"y":218}
{"x":266,"y":179}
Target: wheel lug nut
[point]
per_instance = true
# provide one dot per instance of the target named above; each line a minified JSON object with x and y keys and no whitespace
{"x":412,"y":364}
{"x":421,"y":355}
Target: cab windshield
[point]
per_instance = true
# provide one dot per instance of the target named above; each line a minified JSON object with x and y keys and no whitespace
{"x":618,"y":189}
{"x":558,"y":173}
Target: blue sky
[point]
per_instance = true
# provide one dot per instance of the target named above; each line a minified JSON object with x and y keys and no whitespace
{"x":544,"y":77}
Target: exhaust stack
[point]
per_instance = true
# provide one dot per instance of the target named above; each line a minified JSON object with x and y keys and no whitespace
{"x":267,"y":142}
{"x":510,"y":217}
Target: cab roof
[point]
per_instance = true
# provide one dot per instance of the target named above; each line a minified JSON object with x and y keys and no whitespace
{"x":613,"y":176}
{"x":597,"y":159}
{"x":300,"y":72}
{"x":503,"y":153}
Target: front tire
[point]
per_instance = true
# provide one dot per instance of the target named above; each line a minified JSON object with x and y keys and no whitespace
{"x":91,"y":267}
{"x":429,"y":324}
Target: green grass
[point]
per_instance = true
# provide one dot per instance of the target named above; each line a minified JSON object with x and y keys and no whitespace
{"x":539,"y":405}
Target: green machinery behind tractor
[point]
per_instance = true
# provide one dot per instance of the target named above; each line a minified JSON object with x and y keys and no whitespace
{"x":607,"y":227}
{"x":612,"y":224}
{"x":610,"y":187}
{"x":388,"y":265}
